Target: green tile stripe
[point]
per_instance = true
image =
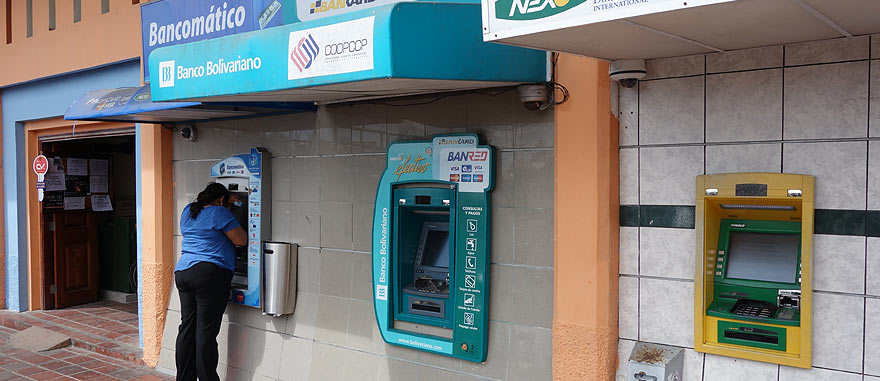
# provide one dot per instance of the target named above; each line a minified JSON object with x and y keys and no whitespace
{"x":827,"y":221}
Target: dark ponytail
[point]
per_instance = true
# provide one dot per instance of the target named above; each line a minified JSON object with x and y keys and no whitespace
{"x":212,"y":192}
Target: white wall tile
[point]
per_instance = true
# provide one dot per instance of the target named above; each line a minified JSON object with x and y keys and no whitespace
{"x":671,"y":111}
{"x":369,"y":130}
{"x":503,"y":222}
{"x":872,"y":336}
{"x":521,"y":295}
{"x":277,"y":142}
{"x":224,"y":143}
{"x":303,"y":323}
{"x":363,"y":333}
{"x":721,"y":368}
{"x":326,"y":360}
{"x":744,"y":106}
{"x":826,"y":101}
{"x":532,"y":129}
{"x":203,"y":147}
{"x":336,"y":179}
{"x":624,"y":349}
{"x":629,"y":250}
{"x":305,"y":223}
{"x":525,"y":363}
{"x":839,"y":168}
{"x":533,"y":237}
{"x":533,"y":179}
{"x":255,"y":351}
{"x":871,"y":378}
{"x":667,"y":175}
{"x":693,"y":365}
{"x":628,"y":308}
{"x":667,"y":252}
{"x":336,"y":225}
{"x":839,"y":263}
{"x":746,"y":59}
{"x":297,"y":355}
{"x":815,"y":374}
{"x":628,"y":115}
{"x":838,"y":323}
{"x":334,"y":129}
{"x":336,"y":273}
{"x":744,"y":158}
{"x":872,"y":283}
{"x":825,"y":51}
{"x":332,"y":323}
{"x":874,"y":117}
{"x":497,"y":359}
{"x":629,"y":176}
{"x":308,"y":269}
{"x":675,"y":67}
{"x":875,"y":46}
{"x":492,"y":117}
{"x":666,"y":312}
{"x":505,"y":180}
{"x":360,"y":366}
{"x":281,"y":178}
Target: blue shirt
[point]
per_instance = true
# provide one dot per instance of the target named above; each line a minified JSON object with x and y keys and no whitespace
{"x":204,"y":239}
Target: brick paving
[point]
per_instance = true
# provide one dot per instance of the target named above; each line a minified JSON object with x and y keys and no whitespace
{"x":104,"y":338}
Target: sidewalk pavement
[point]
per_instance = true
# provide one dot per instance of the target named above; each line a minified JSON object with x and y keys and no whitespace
{"x":70,"y":363}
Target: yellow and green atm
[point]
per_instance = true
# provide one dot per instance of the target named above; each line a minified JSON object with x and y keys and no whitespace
{"x":753,"y":282}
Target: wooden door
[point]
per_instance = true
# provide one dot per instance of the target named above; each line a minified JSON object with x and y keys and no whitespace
{"x":76,"y":258}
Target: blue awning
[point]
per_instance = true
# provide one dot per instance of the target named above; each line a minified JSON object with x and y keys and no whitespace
{"x":135,"y":104}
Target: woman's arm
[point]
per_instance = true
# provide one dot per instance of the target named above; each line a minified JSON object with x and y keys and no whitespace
{"x":237,"y":236}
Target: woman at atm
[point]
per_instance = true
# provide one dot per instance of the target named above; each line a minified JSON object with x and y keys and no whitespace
{"x":203,"y":276}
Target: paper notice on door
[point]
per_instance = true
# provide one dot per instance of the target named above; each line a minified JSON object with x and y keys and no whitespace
{"x":74,"y":203}
{"x":56,"y":164}
{"x":98,"y":184}
{"x":77,"y":167}
{"x":101,"y":203}
{"x":99,"y":167}
{"x":55,"y":181}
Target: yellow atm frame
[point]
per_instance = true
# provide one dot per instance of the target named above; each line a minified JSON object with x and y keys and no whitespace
{"x":761,"y":197}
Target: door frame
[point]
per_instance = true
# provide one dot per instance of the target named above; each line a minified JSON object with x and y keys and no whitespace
{"x":34,"y":130}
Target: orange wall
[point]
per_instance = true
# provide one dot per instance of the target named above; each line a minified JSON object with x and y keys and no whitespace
{"x":585,"y":224}
{"x":96,"y":40}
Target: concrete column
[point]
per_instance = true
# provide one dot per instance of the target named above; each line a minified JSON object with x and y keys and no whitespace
{"x":158,"y":238}
{"x":586,"y":224}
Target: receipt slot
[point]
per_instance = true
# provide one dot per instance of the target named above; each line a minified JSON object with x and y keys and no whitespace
{"x":753,"y":280}
{"x":247,"y":177}
{"x":431,"y":234}
{"x":279,"y":278}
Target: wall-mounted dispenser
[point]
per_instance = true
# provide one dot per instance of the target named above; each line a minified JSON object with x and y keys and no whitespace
{"x":247,"y":176}
{"x":431,"y":233}
{"x":753,"y":280}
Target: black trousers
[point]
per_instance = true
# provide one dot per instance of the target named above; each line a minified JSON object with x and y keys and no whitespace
{"x":204,"y":292}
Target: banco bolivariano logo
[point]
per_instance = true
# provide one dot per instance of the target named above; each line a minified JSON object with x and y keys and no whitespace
{"x":532,"y":9}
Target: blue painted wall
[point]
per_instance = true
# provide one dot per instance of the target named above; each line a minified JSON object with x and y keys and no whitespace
{"x":37,"y":100}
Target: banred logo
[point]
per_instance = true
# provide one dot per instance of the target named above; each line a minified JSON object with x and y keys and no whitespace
{"x":468,"y":156}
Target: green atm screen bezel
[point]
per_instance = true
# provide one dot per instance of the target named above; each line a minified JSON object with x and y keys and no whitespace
{"x":753,"y":226}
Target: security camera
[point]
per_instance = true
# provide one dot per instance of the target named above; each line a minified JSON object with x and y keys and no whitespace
{"x":188,"y":133}
{"x":533,"y":96}
{"x":627,"y":72}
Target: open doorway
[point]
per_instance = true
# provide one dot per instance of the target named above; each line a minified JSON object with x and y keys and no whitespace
{"x":88,"y":224}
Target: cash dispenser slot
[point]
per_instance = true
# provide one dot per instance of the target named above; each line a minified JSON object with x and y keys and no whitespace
{"x":423,"y":223}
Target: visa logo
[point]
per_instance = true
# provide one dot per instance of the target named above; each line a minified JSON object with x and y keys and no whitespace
{"x":468,"y":156}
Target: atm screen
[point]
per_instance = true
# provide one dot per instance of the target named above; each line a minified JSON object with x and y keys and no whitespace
{"x":435,"y":245}
{"x":763,"y":256}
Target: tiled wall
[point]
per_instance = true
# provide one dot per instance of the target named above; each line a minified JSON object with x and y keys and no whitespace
{"x":808,"y":108}
{"x":325,"y":169}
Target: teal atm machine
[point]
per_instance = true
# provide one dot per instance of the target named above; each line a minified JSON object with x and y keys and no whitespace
{"x":431,"y":234}
{"x":247,"y":176}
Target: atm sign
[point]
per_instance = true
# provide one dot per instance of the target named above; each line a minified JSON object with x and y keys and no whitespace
{"x":468,"y":156}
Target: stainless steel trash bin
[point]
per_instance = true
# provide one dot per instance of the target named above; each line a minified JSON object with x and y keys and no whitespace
{"x":279,"y":278}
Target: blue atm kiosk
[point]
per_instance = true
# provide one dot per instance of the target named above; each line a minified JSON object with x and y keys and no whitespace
{"x":248,"y":177}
